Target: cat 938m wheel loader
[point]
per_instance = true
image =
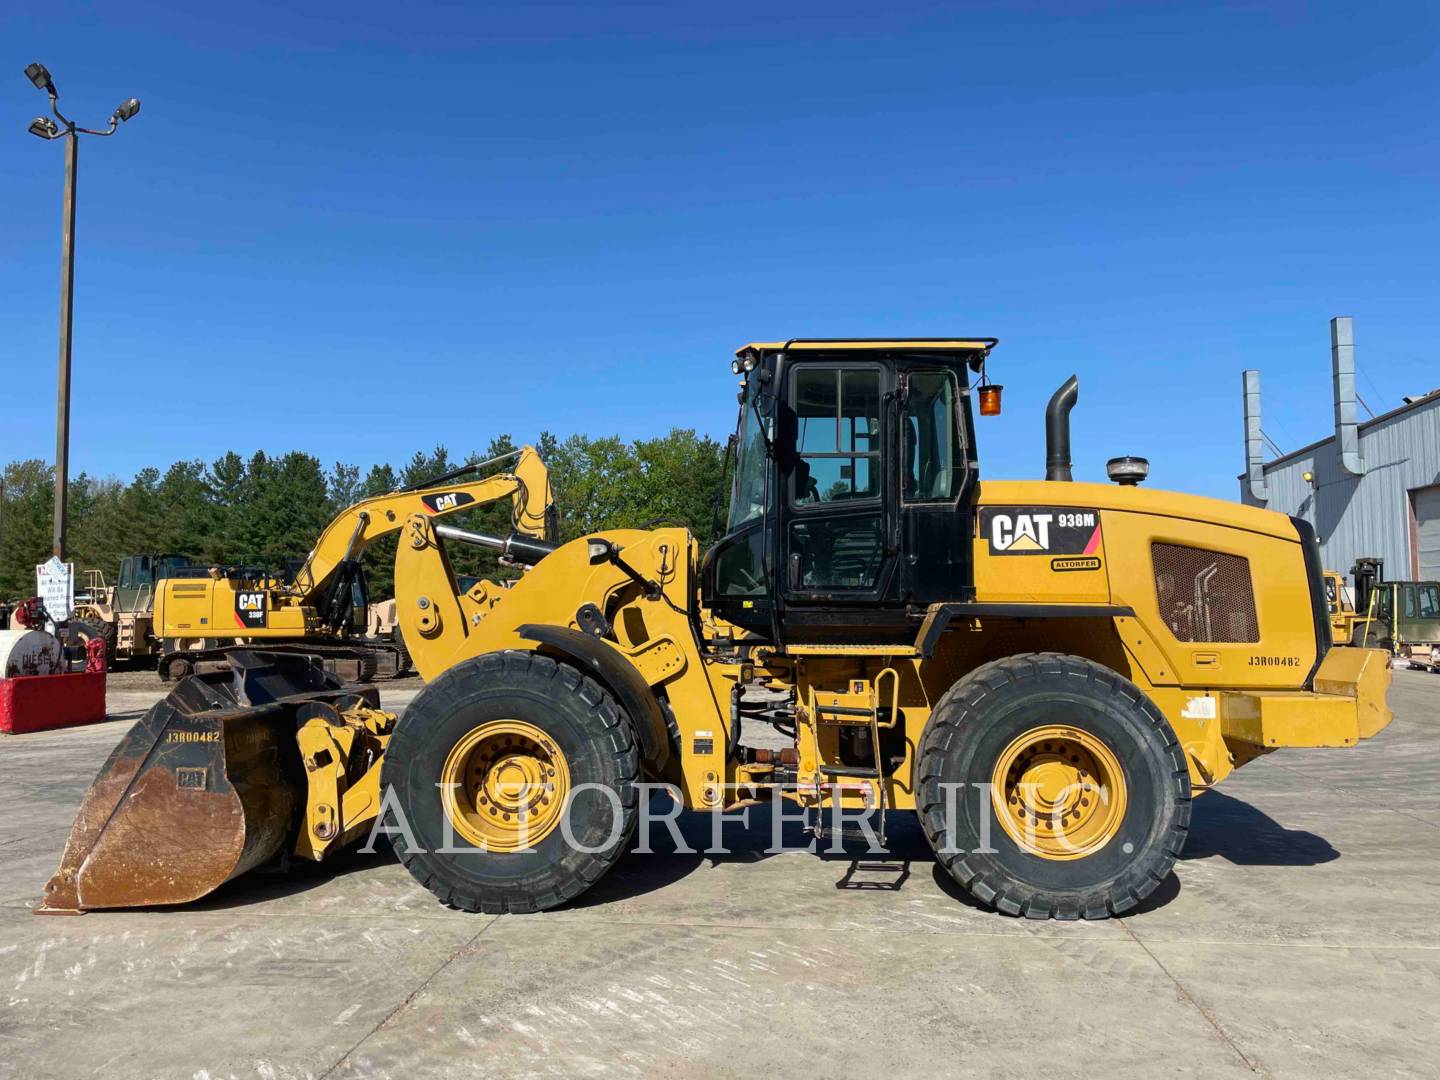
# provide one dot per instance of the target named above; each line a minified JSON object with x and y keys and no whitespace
{"x":1045,"y":672}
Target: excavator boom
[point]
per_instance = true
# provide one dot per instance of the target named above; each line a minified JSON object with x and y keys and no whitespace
{"x":198,"y":619}
{"x":354,"y":529}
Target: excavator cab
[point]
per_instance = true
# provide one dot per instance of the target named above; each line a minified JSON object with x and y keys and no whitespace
{"x":854,"y":489}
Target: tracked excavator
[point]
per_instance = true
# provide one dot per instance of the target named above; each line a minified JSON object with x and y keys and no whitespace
{"x":201,"y":614}
{"x":1045,"y":672}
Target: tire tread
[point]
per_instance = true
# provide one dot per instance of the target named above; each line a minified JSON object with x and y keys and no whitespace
{"x":611,"y":728}
{"x":991,"y":886}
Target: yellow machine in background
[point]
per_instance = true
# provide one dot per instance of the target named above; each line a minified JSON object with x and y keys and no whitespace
{"x":1347,"y":626}
{"x":1045,"y":672}
{"x":122,"y":615}
{"x":205,"y":611}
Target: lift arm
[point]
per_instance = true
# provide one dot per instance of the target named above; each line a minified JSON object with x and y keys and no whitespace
{"x":346,"y":537}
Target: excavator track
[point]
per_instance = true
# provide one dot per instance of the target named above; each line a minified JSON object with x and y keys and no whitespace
{"x":353,"y":663}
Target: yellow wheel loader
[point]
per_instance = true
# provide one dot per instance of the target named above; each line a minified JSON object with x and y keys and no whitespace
{"x":122,"y":615}
{"x":1045,"y":672}
{"x":201,"y":613}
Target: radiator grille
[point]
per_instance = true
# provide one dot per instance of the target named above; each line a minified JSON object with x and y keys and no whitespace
{"x":1204,"y":595}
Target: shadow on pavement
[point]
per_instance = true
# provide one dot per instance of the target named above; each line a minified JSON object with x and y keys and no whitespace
{"x":300,"y":877}
{"x":755,"y":840}
{"x":1238,"y":832}
{"x":1220,"y":826}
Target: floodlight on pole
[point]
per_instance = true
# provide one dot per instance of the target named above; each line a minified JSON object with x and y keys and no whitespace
{"x":45,"y":128}
{"x":39,"y":74}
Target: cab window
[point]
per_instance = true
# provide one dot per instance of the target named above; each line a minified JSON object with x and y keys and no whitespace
{"x":929,"y":438}
{"x":836,"y":553}
{"x":1429,"y":597}
{"x":837,"y":437}
{"x":740,"y":566}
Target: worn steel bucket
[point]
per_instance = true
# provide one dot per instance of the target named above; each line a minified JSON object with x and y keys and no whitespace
{"x":207,"y":785}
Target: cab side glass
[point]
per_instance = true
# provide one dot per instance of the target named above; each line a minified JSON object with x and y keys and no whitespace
{"x":929,"y":438}
{"x":836,"y":553}
{"x":740,"y":566}
{"x":837,"y":435}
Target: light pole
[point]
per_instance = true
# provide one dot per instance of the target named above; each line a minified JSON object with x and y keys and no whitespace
{"x":46,"y":128}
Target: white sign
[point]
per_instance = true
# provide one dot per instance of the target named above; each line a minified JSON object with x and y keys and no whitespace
{"x":55,"y":585}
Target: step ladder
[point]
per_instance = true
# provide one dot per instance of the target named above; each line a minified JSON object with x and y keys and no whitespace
{"x":832,"y":709}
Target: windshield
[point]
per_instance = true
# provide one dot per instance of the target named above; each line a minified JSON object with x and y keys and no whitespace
{"x":1429,"y":596}
{"x":169,"y":564}
{"x":747,"y":499}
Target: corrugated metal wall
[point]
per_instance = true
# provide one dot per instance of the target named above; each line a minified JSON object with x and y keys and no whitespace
{"x":1365,"y":515}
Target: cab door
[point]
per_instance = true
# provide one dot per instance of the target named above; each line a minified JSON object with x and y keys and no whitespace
{"x":937,"y":487}
{"x":835,"y":536}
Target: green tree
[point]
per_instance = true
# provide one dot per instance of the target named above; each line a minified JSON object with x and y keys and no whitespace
{"x":228,"y":484}
{"x":271,"y":509}
{"x":423,"y":467}
{"x":344,"y":486}
{"x":24,"y":525}
{"x":188,"y":523}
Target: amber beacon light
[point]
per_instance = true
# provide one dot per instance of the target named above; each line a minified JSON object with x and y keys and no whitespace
{"x":990,"y":399}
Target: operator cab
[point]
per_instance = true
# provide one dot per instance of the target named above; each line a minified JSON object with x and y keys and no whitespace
{"x":852,"y":504}
{"x":140,"y":575}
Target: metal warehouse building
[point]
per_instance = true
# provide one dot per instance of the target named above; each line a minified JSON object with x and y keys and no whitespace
{"x":1371,"y":488}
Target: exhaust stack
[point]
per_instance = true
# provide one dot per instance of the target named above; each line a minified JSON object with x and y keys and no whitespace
{"x":1254,"y":445}
{"x":1342,"y":363}
{"x":1057,"y":430}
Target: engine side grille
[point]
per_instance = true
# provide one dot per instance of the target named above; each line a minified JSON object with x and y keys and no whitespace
{"x":1204,"y":595}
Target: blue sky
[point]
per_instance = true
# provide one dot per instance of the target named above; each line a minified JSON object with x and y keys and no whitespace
{"x":372,"y":227}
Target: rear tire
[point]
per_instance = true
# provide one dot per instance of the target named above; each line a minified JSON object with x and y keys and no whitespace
{"x":583,"y":727}
{"x":1107,"y":726}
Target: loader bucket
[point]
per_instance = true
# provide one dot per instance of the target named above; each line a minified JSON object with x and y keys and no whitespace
{"x":207,"y":785}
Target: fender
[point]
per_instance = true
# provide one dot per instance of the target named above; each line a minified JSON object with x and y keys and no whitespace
{"x":618,"y":676}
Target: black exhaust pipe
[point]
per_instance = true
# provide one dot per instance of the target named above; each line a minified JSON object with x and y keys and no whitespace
{"x":1057,"y":430}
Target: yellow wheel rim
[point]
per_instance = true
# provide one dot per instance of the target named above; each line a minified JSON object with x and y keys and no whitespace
{"x":1059,"y":792}
{"x":504,"y":785}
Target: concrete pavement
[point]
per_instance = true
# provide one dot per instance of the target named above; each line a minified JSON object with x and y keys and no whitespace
{"x":1297,"y":938}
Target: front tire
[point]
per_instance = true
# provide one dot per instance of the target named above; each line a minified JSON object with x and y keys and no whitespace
{"x":1088,"y":803}
{"x":492,"y":735}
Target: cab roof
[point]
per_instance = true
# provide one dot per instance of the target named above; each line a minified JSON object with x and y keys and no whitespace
{"x":972,"y":350}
